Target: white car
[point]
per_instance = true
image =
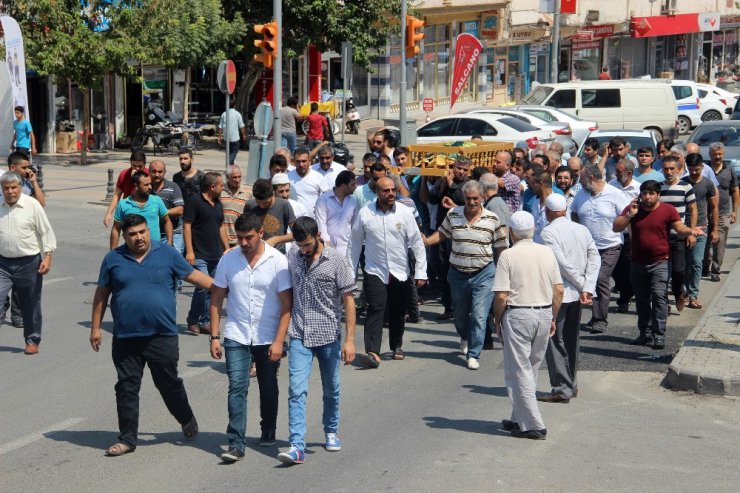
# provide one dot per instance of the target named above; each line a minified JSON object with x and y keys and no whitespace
{"x":692,"y":109}
{"x":580,"y":128}
{"x":492,"y":128}
{"x":712,"y":96}
{"x":563,"y":132}
{"x":635,"y":139}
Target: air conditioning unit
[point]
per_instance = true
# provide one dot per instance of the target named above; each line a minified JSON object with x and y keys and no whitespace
{"x":668,"y":7}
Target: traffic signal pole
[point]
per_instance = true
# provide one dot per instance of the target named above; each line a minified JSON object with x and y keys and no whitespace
{"x":277,"y":73}
{"x":402,"y":95}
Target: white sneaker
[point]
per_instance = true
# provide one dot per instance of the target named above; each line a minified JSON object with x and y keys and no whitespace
{"x":473,"y":364}
{"x":464,"y":347}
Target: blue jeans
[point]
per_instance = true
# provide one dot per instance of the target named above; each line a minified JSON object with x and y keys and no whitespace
{"x":471,"y":301}
{"x":178,"y":242}
{"x":694,"y":262}
{"x":200,"y":304}
{"x":289,"y":140}
{"x":300,"y":360}
{"x":238,"y":362}
{"x":233,"y":151}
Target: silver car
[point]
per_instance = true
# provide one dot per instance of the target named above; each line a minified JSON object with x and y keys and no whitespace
{"x":580,"y":128}
{"x":725,"y":131}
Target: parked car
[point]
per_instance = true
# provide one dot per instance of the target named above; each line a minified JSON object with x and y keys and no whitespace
{"x":492,"y":128}
{"x":735,"y":114}
{"x":688,"y":105}
{"x":727,"y":132}
{"x":709,"y":93}
{"x":580,"y":128}
{"x":635,"y":139}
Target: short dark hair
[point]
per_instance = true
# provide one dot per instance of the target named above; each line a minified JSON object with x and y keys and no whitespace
{"x":617,"y":141}
{"x":292,"y":101}
{"x":400,"y":150}
{"x":592,"y":142}
{"x":650,"y":186}
{"x":262,"y":189}
{"x":344,"y":178}
{"x":16,"y":157}
{"x":20,"y":108}
{"x":476,"y":136}
{"x":478,"y":171}
{"x":303,"y":227}
{"x":314,"y":106}
{"x":667,"y":143}
{"x":388,"y":137}
{"x":646,"y":150}
{"x":369,"y":157}
{"x":537,"y":169}
{"x":377,"y":167}
{"x":694,"y":159}
{"x":131,"y":220}
{"x":208,"y":180}
{"x":136,"y":177}
{"x":670,"y":159}
{"x":383,"y":157}
{"x":544,"y":177}
{"x":278,"y":159}
{"x":185,"y":150}
{"x":545,"y":159}
{"x":563,"y":169}
{"x":248,"y":222}
{"x":325,"y":150}
{"x":137,"y":156}
{"x":301,"y":150}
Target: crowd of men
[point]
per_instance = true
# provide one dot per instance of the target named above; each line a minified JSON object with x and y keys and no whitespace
{"x":516,"y":251}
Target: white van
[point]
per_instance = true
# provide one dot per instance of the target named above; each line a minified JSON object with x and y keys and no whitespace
{"x":615,"y":104}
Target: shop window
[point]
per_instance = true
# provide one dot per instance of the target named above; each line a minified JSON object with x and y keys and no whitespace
{"x":438,"y":128}
{"x":470,"y":126}
{"x":600,"y":98}
{"x":563,"y":99}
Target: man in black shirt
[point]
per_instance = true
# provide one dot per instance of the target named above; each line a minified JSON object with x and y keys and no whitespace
{"x":205,"y":238}
{"x":276,"y":214}
{"x":189,"y":178}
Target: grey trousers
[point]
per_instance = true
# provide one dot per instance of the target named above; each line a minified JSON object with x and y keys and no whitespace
{"x":609,"y":259}
{"x":562,"y":350}
{"x":650,"y":283}
{"x":716,"y":253}
{"x":21,"y":275}
{"x":525,"y":332}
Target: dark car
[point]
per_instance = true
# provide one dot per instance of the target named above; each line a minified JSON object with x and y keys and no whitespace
{"x":725,"y":131}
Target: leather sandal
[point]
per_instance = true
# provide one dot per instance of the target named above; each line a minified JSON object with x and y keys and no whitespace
{"x":694,"y":304}
{"x":119,"y":449}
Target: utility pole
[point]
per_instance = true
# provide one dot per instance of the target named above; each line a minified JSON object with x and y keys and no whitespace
{"x":402,"y":95}
{"x":277,"y":73}
{"x":555,"y":46}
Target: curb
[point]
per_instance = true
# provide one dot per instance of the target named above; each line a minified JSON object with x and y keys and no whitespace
{"x":693,"y":377}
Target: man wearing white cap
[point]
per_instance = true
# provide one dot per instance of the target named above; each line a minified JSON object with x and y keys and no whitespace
{"x":281,"y":186}
{"x":528,"y":291}
{"x":579,"y":262}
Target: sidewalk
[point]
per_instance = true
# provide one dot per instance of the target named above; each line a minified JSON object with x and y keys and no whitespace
{"x":709,"y":360}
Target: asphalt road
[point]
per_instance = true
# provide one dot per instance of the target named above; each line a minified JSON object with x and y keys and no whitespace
{"x":423,"y":424}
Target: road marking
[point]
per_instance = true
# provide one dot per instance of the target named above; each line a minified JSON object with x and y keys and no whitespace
{"x":23,"y":441}
{"x":57,"y":279}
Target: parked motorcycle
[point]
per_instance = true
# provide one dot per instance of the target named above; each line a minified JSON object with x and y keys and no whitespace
{"x":164,"y":132}
{"x":352,"y":117}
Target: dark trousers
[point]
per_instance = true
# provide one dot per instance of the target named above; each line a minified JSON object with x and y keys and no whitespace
{"x":621,"y":273}
{"x":394,"y":295}
{"x":562,"y":350}
{"x":609,"y":258}
{"x":161,"y":354}
{"x":445,"y":249}
{"x":678,"y":265}
{"x":650,"y":283}
{"x":21,"y":275}
{"x":14,"y":305}
{"x":233,"y":151}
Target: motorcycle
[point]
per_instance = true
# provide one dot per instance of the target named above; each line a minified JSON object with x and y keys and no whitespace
{"x":164,"y":132}
{"x":352,"y":117}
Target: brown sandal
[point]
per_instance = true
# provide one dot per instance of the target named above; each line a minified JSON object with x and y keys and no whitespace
{"x":694,"y":304}
{"x":119,"y":449}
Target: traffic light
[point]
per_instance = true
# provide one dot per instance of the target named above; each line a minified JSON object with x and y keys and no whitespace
{"x":268,"y":43}
{"x":412,"y":37}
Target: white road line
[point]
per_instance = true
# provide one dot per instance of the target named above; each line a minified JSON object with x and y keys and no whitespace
{"x":23,"y":441}
{"x":58,"y":279}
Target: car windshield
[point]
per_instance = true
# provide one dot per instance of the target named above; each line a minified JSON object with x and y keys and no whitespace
{"x":729,"y":136}
{"x":517,"y":125}
{"x":635,"y":142}
{"x":537,"y":96}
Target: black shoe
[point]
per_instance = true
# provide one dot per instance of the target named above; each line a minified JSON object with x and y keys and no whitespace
{"x":444,"y":316}
{"x":623,"y":308}
{"x":509,"y":425}
{"x":232,"y":455}
{"x":267,"y":439}
{"x":17,"y":323}
{"x":714,"y":277}
{"x":531,"y":434}
{"x":190,"y":430}
{"x":488,"y":345}
{"x":553,"y":398}
{"x":658,"y":342}
{"x":642,"y":340}
{"x":599,"y":327}
{"x":413,"y":320}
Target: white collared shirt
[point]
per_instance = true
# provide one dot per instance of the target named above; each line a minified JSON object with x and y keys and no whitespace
{"x":577,"y":256}
{"x":387,"y":237}
{"x":254,"y":304}
{"x":598,"y":212}
{"x":330,"y":175}
{"x":631,"y":191}
{"x":335,"y":219}
{"x":24,"y":229}
{"x":307,"y":188}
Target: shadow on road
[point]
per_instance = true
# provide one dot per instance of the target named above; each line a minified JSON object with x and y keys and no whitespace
{"x":467,"y":425}
{"x":9,"y":349}
{"x":494,"y":391}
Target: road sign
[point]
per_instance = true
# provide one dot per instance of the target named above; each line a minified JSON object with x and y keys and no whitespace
{"x":263,"y":120}
{"x":226,"y":76}
{"x":428,"y":104}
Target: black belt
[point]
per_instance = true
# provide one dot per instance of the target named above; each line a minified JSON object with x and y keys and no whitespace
{"x":542,"y":307}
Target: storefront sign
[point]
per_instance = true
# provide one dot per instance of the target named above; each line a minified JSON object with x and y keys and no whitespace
{"x":524,"y":35}
{"x":16,"y":60}
{"x":602,"y":31}
{"x":584,"y":36}
{"x":490,"y":24}
{"x":729,"y":21}
{"x":467,"y":50}
{"x":568,"y":6}
{"x":585,"y":45}
{"x":723,"y":38}
{"x":667,"y":25}
{"x":427,"y":104}
{"x":470,"y":27}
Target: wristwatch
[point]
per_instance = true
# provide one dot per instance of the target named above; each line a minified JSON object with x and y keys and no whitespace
{"x":214,"y":338}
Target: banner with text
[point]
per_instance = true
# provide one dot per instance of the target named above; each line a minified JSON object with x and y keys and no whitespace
{"x":467,"y":50}
{"x":16,"y":60}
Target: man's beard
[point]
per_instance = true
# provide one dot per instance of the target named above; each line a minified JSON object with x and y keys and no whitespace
{"x":308,"y":256}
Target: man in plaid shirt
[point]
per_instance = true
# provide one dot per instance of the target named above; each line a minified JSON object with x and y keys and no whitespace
{"x":322,"y":282}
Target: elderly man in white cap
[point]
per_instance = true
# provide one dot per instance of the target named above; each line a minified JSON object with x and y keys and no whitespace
{"x":579,"y":262}
{"x":528,"y":291}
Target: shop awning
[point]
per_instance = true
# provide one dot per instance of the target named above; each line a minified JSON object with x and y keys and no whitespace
{"x":667,"y":25}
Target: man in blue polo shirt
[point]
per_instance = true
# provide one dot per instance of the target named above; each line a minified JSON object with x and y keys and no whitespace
{"x":144,"y":203}
{"x":141,"y":275}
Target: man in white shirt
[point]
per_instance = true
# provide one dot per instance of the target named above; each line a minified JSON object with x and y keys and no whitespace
{"x":579,"y":262}
{"x":336,"y":211}
{"x":306,"y":182}
{"x":625,"y":183}
{"x":236,"y":128}
{"x":389,"y":231}
{"x":257,"y":280}
{"x":327,"y":167}
{"x":596,"y":206}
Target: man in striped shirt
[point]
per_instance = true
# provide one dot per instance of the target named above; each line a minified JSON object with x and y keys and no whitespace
{"x":233,"y":197}
{"x":680,"y":194}
{"x":477,"y":240}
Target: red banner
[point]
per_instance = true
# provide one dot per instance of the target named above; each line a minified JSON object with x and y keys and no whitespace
{"x":467,"y":50}
{"x":567,"y":6}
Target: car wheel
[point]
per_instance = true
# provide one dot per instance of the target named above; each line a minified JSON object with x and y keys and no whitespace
{"x":711,"y":116}
{"x":684,"y":125}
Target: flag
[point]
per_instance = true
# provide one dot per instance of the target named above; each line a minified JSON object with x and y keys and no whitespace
{"x":467,"y":50}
